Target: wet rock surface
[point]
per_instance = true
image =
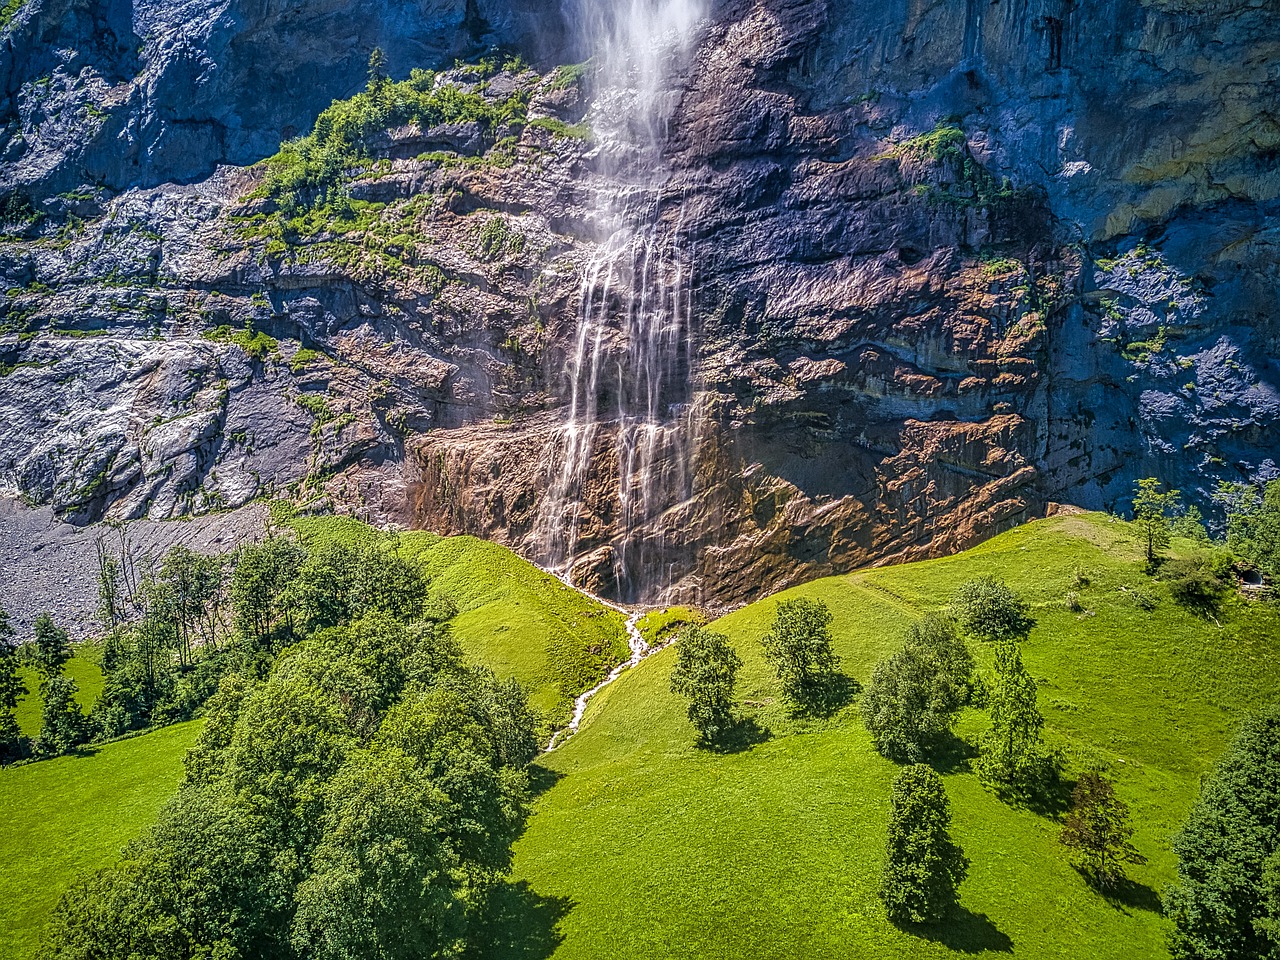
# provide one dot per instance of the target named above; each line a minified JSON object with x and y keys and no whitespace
{"x":948,"y":267}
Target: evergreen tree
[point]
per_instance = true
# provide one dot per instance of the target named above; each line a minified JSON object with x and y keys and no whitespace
{"x":924,"y":866}
{"x":1098,"y":829}
{"x":1224,"y":902}
{"x":1153,"y":509}
{"x":1012,"y":753}
{"x":62,"y":725}
{"x":705,"y":673}
{"x":990,"y":611}
{"x":50,"y":648}
{"x":915,"y":694}
{"x":799,"y":647}
{"x":11,"y":689}
{"x":1253,"y":526}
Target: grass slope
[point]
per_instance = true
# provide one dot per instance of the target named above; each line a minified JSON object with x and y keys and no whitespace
{"x":82,"y":668}
{"x":656,"y":849}
{"x":512,"y":616}
{"x":70,"y":815}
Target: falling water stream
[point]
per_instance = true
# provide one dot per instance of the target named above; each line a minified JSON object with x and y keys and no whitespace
{"x":628,"y":369}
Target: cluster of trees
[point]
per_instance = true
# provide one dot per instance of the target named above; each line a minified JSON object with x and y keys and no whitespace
{"x":360,"y":800}
{"x":797,"y":646}
{"x":173,"y":632}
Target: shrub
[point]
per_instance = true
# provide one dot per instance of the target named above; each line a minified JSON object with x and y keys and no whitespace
{"x":989,"y":610}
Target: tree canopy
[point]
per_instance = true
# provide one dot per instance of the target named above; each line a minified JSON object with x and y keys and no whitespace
{"x":924,"y":867}
{"x":705,"y":673}
{"x":799,"y":648}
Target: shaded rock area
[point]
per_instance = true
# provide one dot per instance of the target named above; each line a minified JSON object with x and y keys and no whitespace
{"x":951,"y":262}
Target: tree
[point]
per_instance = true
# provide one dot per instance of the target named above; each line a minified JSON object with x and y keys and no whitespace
{"x":1098,"y":830}
{"x":50,"y":648}
{"x":799,"y":647}
{"x":915,"y":694}
{"x":259,"y":579}
{"x":191,"y":580}
{"x":1223,"y":903}
{"x":1153,"y":510}
{"x":1253,"y":526}
{"x":705,"y":673}
{"x":924,"y":867}
{"x":989,"y":610}
{"x":1012,"y":754}
{"x":62,"y":725}
{"x":377,"y":72}
{"x":11,"y":690}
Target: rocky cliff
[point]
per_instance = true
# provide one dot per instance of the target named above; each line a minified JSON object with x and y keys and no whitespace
{"x":948,"y":263}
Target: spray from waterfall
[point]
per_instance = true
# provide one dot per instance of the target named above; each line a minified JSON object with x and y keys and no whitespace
{"x":629,"y":369}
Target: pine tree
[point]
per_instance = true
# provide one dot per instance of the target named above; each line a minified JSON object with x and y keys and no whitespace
{"x":1098,"y":829}
{"x":1226,"y":901}
{"x":11,"y":689}
{"x":705,"y":673}
{"x":51,"y":647}
{"x":924,"y":866}
{"x":1012,"y":753}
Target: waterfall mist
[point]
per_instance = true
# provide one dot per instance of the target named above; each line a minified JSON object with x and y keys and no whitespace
{"x":628,"y":375}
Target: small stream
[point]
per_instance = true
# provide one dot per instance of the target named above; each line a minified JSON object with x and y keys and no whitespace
{"x":639,"y":651}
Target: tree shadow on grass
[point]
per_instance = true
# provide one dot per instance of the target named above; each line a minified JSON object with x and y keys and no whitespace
{"x":541,"y":779}
{"x":952,"y":755}
{"x":742,"y":735}
{"x":1127,"y":895}
{"x":824,"y":702}
{"x":518,"y":923}
{"x":964,"y":932}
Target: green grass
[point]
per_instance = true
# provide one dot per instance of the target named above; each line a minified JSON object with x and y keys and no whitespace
{"x":82,"y":668}
{"x":512,"y":616}
{"x":67,"y":816}
{"x":656,"y":849}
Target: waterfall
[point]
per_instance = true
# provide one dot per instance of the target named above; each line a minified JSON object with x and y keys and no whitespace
{"x":628,"y":373}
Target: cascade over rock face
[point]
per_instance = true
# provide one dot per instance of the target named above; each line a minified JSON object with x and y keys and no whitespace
{"x":945,"y":264}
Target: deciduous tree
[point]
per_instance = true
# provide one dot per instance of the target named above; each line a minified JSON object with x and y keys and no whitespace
{"x":989,"y":610}
{"x":914,"y":695}
{"x":705,"y":674}
{"x":799,"y":647}
{"x":1223,"y":903}
{"x":1153,"y":512}
{"x":1097,"y":828}
{"x":1013,"y":756}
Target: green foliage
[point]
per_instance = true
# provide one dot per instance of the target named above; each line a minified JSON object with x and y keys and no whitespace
{"x":915,"y":695}
{"x":924,"y":867}
{"x":705,"y":673}
{"x":1253,"y":526}
{"x":312,"y":170}
{"x":1097,"y":828}
{"x":1153,"y":510}
{"x":261,"y":574}
{"x":1199,"y":581}
{"x":1013,"y":757}
{"x":62,"y":725}
{"x":990,"y":611}
{"x":944,"y":142}
{"x":12,"y":743}
{"x":50,"y":646}
{"x":495,"y":239}
{"x":799,"y":647}
{"x":567,"y":75}
{"x":355,"y":804}
{"x":558,"y":128}
{"x":257,"y":345}
{"x":338,"y":583}
{"x":1223,"y":903}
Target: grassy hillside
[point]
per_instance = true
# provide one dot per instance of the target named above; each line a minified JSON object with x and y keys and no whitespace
{"x":657,"y":849}
{"x":82,"y":668}
{"x":512,"y":616}
{"x":70,"y":815}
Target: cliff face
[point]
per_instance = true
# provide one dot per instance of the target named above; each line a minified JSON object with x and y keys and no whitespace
{"x":948,"y":263}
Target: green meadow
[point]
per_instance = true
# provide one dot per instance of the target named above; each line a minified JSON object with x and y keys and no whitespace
{"x":643,"y":846}
{"x":72,"y":814}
